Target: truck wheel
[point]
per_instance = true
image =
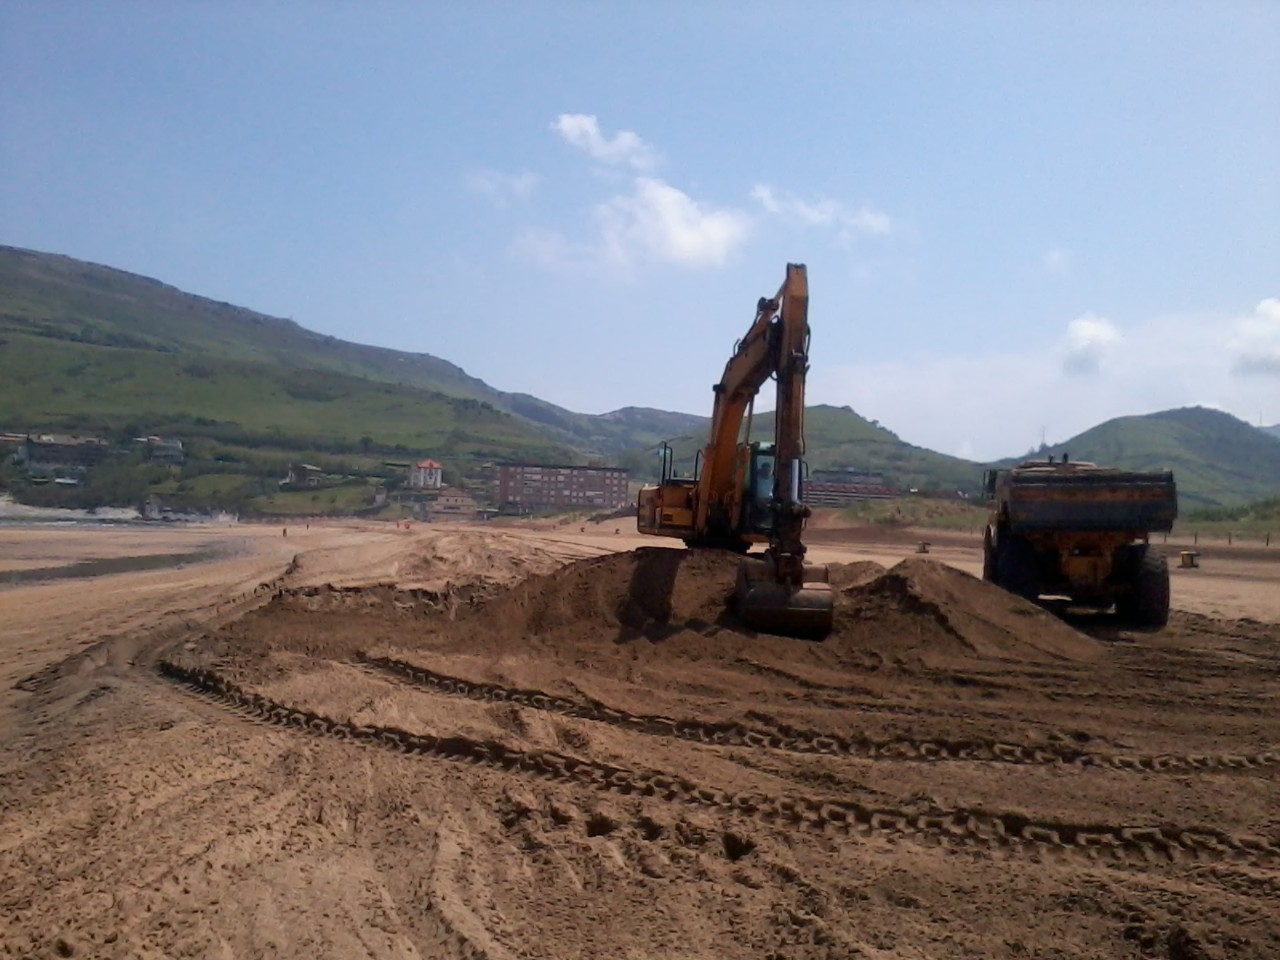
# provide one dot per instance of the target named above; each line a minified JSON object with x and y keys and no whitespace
{"x":1016,"y":568}
{"x":988,"y":558}
{"x":1148,"y":603}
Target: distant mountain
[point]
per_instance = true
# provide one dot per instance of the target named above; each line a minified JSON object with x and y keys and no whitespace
{"x":1217,"y":459}
{"x":69,"y":305}
{"x":86,"y":348}
{"x":1274,"y":430}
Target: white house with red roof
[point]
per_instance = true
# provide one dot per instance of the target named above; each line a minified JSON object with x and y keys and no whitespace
{"x":426,"y":475}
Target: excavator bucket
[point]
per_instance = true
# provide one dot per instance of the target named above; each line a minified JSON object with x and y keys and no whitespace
{"x":768,"y":605}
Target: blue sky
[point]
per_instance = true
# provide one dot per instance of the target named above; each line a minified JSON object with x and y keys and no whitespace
{"x":1017,"y":217}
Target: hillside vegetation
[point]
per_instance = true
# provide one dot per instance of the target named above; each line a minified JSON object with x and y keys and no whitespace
{"x":84,"y":388}
{"x":922,"y":512}
{"x":68,"y":301}
{"x":241,"y":422}
{"x":93,"y":350}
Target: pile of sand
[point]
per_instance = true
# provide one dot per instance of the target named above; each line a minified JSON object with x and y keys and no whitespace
{"x":652,"y":593}
{"x":918,"y":612}
{"x":934,"y":614}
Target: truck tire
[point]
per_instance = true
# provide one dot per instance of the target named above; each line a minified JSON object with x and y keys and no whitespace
{"x":1147,"y":604}
{"x":988,"y":558}
{"x":1016,"y":568}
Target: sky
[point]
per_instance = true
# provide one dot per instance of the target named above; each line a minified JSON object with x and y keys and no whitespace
{"x":1018,"y":219}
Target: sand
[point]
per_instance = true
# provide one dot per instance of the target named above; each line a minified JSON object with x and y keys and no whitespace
{"x":555,"y":741}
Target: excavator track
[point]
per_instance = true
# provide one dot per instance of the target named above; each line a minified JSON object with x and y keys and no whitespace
{"x":790,"y":740}
{"x":997,"y":833}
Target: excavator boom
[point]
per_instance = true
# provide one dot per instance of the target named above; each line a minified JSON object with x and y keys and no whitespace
{"x":780,"y":593}
{"x":749,"y":493}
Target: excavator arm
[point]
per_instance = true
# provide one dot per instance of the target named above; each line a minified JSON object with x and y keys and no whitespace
{"x":720,"y":492}
{"x":779,"y":593}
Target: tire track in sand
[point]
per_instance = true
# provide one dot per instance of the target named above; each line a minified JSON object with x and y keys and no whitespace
{"x":998,"y":833}
{"x":792,"y":740}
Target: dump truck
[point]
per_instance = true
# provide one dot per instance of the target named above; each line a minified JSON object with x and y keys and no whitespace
{"x":1075,"y":530}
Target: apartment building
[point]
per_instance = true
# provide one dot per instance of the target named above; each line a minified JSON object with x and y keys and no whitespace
{"x":840,"y":488}
{"x":534,"y":487}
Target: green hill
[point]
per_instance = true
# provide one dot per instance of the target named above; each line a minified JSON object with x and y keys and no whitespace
{"x":89,"y":349}
{"x":89,"y":389}
{"x":1216,"y":459}
{"x":137,"y":352}
{"x":75,"y":304}
{"x":1273,"y":430}
{"x":93,"y":351}
{"x":241,"y":423}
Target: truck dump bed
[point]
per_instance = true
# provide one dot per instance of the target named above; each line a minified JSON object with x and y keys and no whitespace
{"x":1054,"y":497}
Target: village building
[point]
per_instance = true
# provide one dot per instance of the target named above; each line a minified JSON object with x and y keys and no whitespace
{"x":840,"y":488}
{"x":163,"y":450}
{"x":45,"y":453}
{"x":444,"y":503}
{"x":452,"y":504}
{"x":302,"y":475}
{"x":426,"y":475}
{"x":532,"y":487}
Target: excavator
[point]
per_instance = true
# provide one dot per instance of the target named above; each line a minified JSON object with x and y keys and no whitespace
{"x":744,"y":493}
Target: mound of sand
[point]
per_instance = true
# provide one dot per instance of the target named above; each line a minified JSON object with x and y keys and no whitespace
{"x":936,"y":614}
{"x":651,"y":593}
{"x":918,"y":612}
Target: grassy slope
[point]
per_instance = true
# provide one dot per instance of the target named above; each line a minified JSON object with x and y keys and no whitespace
{"x":62,"y":297}
{"x":926,"y":513}
{"x":68,"y":301}
{"x":839,"y":437}
{"x":54,"y":383}
{"x":79,"y":337}
{"x":65,"y":299}
{"x":1216,"y":458}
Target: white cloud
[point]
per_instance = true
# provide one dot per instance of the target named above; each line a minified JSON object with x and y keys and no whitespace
{"x":822,"y":212}
{"x":654,"y":223}
{"x":1057,"y":261}
{"x":502,"y":188}
{"x":1255,"y":340}
{"x":995,"y":405}
{"x":660,"y":222}
{"x":1089,"y":343}
{"x":625,"y":147}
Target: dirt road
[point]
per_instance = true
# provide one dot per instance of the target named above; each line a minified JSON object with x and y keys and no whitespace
{"x":545,"y":742}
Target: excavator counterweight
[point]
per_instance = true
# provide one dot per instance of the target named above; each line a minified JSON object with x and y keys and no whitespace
{"x":747,"y":493}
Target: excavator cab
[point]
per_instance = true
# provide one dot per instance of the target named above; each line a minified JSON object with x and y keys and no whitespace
{"x":760,"y":488}
{"x":779,"y":592}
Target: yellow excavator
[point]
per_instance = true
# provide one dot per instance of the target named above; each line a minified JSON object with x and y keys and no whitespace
{"x":743,"y":493}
